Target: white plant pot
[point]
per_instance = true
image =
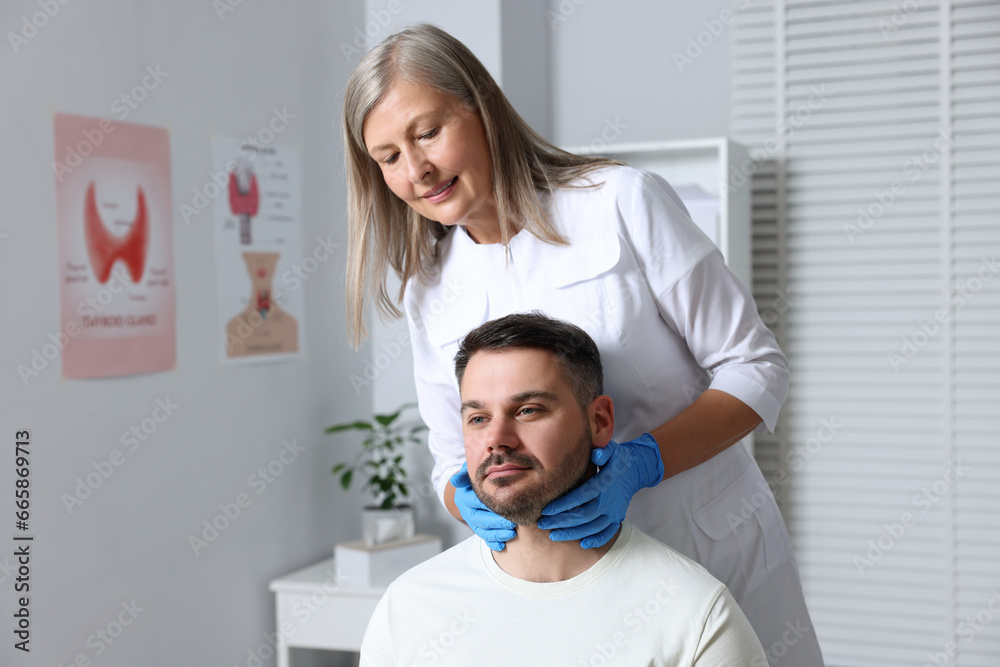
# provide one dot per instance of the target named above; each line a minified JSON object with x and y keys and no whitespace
{"x":379,"y":526}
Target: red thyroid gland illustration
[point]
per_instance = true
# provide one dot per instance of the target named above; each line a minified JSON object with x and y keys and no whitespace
{"x":244,"y":199}
{"x":104,"y":248}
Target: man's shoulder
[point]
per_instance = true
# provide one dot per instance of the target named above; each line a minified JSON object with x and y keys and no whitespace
{"x":647,"y":547}
{"x":460,"y":562}
{"x":420,"y":600}
{"x":646,"y":553}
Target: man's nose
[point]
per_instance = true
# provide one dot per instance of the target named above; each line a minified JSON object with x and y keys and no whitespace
{"x":501,"y":435}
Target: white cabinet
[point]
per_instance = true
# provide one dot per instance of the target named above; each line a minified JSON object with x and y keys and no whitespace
{"x":314,"y":611}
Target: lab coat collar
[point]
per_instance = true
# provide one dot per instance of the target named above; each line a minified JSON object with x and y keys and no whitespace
{"x":457,"y":301}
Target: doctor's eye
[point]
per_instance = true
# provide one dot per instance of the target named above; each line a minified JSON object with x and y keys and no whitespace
{"x":429,"y":135}
{"x":391,"y":159}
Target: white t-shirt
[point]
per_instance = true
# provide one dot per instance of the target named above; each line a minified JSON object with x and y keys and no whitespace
{"x":641,"y":604}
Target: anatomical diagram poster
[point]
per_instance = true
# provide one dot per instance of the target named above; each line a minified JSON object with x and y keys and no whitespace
{"x":258,"y":247}
{"x":116,"y":275}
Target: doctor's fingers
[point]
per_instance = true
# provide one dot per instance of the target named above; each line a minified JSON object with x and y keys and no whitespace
{"x":461,"y":479}
{"x":601,"y":455}
{"x":577,"y":498}
{"x":574,"y":517}
{"x":599,"y":540}
{"x":497,"y":536}
{"x":492,"y":526}
{"x":590,"y":530}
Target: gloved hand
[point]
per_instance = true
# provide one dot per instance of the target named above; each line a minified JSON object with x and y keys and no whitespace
{"x":593,"y":512}
{"x":493,"y":528}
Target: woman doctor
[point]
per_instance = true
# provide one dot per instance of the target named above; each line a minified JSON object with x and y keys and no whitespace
{"x":481,"y":217}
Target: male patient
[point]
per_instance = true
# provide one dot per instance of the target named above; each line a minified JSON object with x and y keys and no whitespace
{"x":532,"y":410}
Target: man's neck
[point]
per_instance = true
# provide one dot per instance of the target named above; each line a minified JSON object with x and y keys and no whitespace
{"x":533,"y":556}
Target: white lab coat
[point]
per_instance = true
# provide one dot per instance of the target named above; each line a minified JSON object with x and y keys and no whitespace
{"x":670,"y":321}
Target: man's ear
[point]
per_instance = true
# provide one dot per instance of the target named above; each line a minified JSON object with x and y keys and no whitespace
{"x":601,"y":413}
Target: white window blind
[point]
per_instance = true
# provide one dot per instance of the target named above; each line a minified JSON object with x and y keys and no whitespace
{"x":875,"y":129}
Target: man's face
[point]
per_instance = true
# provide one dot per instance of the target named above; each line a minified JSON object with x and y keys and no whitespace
{"x":527,"y":440}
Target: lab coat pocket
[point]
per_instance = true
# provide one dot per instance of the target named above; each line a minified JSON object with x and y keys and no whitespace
{"x":583,"y":260}
{"x":749,"y":535}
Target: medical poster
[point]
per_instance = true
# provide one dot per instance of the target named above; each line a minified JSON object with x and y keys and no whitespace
{"x":258,"y":247}
{"x":116,"y":276}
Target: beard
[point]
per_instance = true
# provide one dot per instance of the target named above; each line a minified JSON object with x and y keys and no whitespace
{"x":524,"y":507}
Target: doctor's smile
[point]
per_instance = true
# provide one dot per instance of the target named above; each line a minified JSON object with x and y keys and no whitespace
{"x":440,"y":193}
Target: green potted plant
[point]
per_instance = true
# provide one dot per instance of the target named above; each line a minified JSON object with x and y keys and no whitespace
{"x":380,"y":458}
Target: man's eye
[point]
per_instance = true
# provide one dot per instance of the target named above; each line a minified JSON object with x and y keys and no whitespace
{"x":527,"y":412}
{"x":477,"y":420}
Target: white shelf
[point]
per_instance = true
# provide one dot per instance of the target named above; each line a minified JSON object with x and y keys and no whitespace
{"x":706,"y":163}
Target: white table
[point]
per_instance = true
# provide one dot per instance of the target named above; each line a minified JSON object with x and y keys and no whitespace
{"x":313,"y":611}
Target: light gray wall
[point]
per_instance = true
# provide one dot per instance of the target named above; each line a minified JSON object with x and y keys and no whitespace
{"x":129,"y":540}
{"x":526,"y":53}
{"x":614,"y":69}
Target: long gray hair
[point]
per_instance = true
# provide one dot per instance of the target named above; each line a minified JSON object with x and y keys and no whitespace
{"x":383,"y":230}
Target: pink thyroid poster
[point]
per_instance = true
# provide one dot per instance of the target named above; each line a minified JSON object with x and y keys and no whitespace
{"x":116,"y":277}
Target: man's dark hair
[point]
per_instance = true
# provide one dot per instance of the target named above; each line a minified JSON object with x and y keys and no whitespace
{"x":577,"y":353}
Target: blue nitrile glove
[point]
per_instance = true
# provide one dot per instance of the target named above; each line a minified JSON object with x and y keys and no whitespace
{"x":493,"y":528}
{"x":593,"y":512}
